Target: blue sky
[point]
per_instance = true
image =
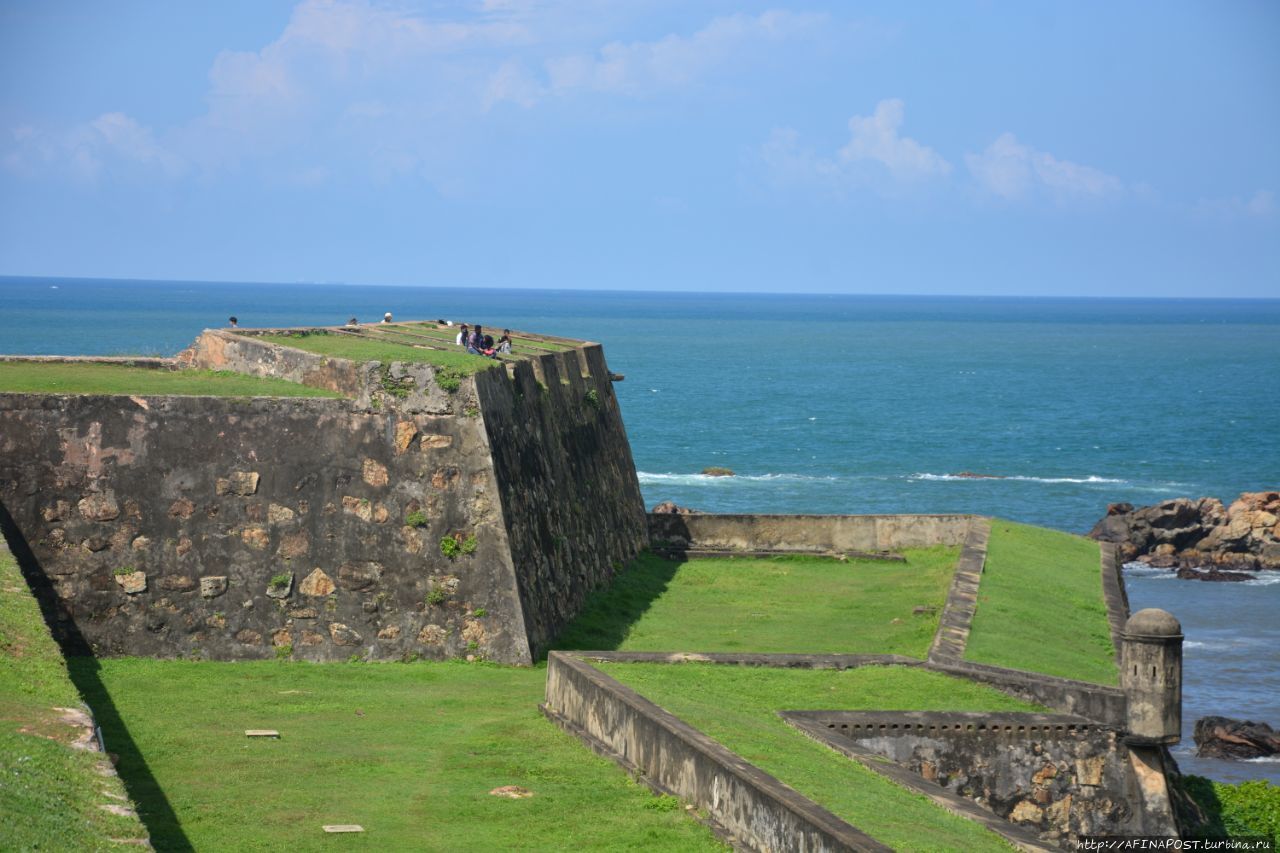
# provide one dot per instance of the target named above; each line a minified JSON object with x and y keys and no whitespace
{"x":958,"y":147}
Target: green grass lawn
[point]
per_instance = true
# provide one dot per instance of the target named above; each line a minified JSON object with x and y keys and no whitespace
{"x":409,"y":751}
{"x":30,"y":377}
{"x":1040,"y":605}
{"x":738,"y":706}
{"x":49,"y":793}
{"x":368,"y":349}
{"x":779,"y":604}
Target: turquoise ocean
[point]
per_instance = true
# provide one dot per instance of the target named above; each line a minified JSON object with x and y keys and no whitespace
{"x":860,"y":404}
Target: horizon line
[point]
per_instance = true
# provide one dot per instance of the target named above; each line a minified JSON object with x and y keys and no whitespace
{"x":6,"y":278}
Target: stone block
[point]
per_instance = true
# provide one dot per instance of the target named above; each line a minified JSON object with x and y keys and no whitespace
{"x":213,"y":586}
{"x":343,"y":635}
{"x":99,"y":507}
{"x":433,"y":635}
{"x":374,"y":473}
{"x":391,"y":632}
{"x":316,"y":585}
{"x":242,"y":483}
{"x":405,"y":432}
{"x":357,"y":576}
{"x":1089,"y":770}
{"x":434,"y":442}
{"x":280,"y":590}
{"x":1026,"y":812}
{"x":256,"y":537}
{"x":359,"y":507}
{"x":279,"y":514}
{"x":181,"y":508}
{"x":132,"y":582}
{"x":248,"y":637}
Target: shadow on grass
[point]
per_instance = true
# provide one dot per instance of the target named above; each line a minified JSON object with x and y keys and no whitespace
{"x":153,"y":808}
{"x":609,"y":614}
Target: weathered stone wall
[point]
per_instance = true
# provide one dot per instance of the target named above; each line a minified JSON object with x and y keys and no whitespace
{"x":1060,"y":776}
{"x":743,"y":802}
{"x":405,"y":386}
{"x":567,"y":482}
{"x":818,"y":533}
{"x":161,"y":522}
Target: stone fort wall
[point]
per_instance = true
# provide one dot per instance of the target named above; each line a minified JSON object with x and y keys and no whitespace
{"x":233,"y":529}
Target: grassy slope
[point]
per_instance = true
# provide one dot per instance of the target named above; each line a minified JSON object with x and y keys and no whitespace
{"x":1040,"y":605}
{"x":785,"y":604}
{"x":738,"y":707}
{"x":361,"y":349}
{"x":49,"y":794}
{"x":409,"y":751}
{"x":71,"y":378}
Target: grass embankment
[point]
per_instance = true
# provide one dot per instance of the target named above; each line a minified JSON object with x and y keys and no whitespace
{"x":31,"y":377}
{"x":738,"y":707}
{"x":51,"y":795}
{"x":780,"y":604}
{"x":409,"y":751}
{"x":1040,"y":605}
{"x":356,"y":348}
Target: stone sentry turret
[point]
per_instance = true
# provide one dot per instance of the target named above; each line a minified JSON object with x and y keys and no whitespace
{"x":1151,"y":675}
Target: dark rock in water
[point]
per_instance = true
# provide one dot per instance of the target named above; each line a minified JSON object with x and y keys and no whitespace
{"x":671,"y":508}
{"x":1223,"y":737}
{"x":716,"y":471}
{"x":1186,"y":534}
{"x":973,"y":475}
{"x":1211,"y":575}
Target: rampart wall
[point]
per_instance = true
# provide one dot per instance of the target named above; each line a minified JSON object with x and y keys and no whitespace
{"x":800,"y":533}
{"x":162,"y":521}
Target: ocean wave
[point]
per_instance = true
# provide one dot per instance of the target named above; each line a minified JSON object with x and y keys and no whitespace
{"x":1264,"y":579}
{"x":647,"y":477}
{"x":950,"y":477}
{"x":1145,"y":572}
{"x":1264,"y":759}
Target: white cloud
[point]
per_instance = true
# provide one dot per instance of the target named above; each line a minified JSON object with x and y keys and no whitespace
{"x":641,"y":67}
{"x":1259,"y":205}
{"x":112,"y":142}
{"x":1012,"y":170}
{"x":876,"y":157}
{"x":875,"y":138}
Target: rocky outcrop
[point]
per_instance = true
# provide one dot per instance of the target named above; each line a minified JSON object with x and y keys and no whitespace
{"x":1189,"y":534}
{"x":1223,"y":737}
{"x":672,"y":508}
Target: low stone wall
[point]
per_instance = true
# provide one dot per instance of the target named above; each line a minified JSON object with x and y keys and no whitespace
{"x":1095,"y":701}
{"x":812,"y":533}
{"x":162,"y":523}
{"x":1058,"y":776}
{"x":748,"y":806}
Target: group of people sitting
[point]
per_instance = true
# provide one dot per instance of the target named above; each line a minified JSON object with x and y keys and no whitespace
{"x":478,"y":343}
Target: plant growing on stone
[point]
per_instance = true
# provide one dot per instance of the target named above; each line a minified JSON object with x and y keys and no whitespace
{"x":280,"y":581}
{"x":450,"y":547}
{"x":417,"y":518}
{"x":592,"y":399}
{"x":471,"y":411}
{"x":284,"y":652}
{"x":468,"y":545}
{"x":124,"y":570}
{"x":398,"y":388}
{"x":435,"y":595}
{"x":479,"y":612}
{"x":449,"y":378}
